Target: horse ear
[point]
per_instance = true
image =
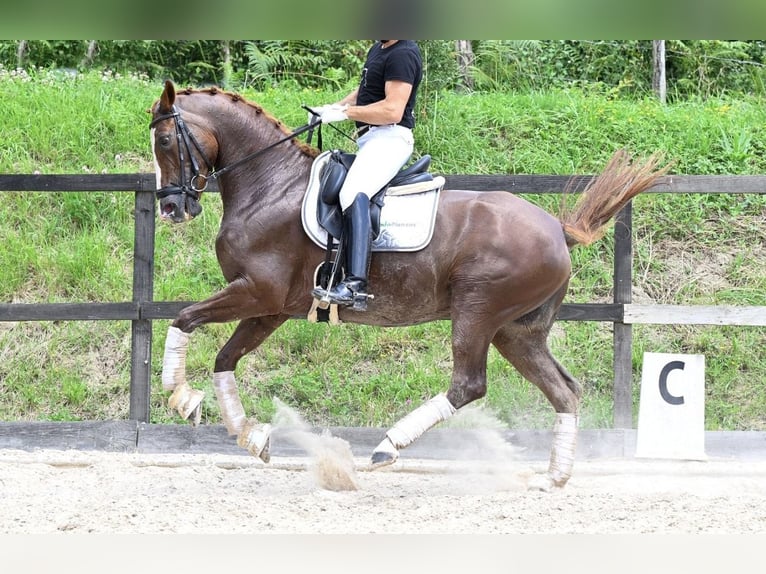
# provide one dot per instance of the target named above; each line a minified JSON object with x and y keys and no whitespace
{"x":168,"y":97}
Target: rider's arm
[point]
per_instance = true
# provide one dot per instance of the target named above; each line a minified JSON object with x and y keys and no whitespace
{"x":386,"y":111}
{"x":349,"y":99}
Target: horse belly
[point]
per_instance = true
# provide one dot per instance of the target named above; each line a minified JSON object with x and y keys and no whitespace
{"x":408,"y":289}
{"x":492,"y":253}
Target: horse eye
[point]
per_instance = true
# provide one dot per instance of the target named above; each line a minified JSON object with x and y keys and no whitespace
{"x":164,"y":140}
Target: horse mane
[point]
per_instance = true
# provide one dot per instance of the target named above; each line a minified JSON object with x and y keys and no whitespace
{"x":305,"y":148}
{"x":621,"y":180}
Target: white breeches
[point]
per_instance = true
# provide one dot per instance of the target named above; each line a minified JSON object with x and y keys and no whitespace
{"x":382,"y":152}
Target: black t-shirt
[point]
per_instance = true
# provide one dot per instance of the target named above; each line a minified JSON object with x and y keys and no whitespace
{"x":401,"y":61}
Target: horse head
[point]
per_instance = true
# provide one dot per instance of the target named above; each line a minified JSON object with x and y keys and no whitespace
{"x":183,"y":157}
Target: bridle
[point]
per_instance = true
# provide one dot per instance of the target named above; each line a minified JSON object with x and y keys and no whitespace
{"x":198,"y":181}
{"x":185,"y":139}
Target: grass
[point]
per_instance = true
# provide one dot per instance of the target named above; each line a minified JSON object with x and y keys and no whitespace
{"x":77,"y":247}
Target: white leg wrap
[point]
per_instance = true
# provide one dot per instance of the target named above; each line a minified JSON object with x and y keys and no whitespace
{"x":232,"y":411}
{"x":174,"y":361}
{"x":563,"y":449}
{"x":407,"y":430}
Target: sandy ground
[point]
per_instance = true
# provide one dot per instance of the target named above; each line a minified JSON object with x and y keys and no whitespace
{"x":101,"y":492}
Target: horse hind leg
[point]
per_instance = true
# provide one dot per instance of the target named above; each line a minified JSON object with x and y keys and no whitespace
{"x":410,"y":428}
{"x":469,"y":382}
{"x":526,"y":348}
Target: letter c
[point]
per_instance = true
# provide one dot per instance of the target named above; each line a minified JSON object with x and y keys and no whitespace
{"x":667,"y":397}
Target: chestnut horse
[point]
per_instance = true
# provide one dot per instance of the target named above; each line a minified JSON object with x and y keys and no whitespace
{"x":497,"y":266}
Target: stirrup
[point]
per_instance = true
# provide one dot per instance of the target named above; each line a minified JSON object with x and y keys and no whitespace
{"x":357,"y":301}
{"x":322,"y":297}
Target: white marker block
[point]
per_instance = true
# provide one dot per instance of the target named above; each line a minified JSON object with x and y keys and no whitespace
{"x":671,"y":414}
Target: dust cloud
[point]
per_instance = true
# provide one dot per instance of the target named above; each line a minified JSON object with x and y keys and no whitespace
{"x":331,"y":461}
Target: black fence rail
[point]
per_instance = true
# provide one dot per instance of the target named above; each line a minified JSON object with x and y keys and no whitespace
{"x":142,"y":309}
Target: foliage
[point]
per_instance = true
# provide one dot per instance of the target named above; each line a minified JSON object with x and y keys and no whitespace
{"x":539,"y":65}
{"x":695,"y":68}
{"x":331,"y":63}
{"x":711,"y":67}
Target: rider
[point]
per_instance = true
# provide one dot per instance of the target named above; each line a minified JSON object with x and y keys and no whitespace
{"x":383,"y":109}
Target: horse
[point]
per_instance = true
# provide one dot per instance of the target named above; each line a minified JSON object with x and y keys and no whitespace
{"x":497,"y":267}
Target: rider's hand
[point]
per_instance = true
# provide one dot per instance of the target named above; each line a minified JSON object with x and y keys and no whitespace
{"x":333,"y":113}
{"x":315,"y":115}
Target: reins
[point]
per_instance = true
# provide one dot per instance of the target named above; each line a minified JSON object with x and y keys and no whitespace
{"x":185,"y":136}
{"x":253,"y":155}
{"x":309,"y":127}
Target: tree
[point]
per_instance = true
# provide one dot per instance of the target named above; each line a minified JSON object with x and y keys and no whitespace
{"x":658,"y":76}
{"x":465,"y":60}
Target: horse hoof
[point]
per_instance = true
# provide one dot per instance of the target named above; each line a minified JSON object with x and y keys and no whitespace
{"x":265,"y":455}
{"x":196,"y":415}
{"x":256,"y":438}
{"x":188,"y":403}
{"x":381,"y":458}
{"x":540,"y":483}
{"x":544,"y":483}
{"x":384,"y":454}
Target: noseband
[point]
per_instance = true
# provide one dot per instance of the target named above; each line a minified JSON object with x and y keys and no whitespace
{"x":186,"y":140}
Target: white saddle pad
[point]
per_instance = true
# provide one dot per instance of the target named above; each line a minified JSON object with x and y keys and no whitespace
{"x":406,"y":219}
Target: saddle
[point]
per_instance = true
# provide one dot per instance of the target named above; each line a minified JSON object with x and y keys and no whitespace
{"x":329,"y":211}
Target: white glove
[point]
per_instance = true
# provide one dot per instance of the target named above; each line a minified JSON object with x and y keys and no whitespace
{"x":333,"y":113}
{"x":328,"y":113}
{"x":316,"y":115}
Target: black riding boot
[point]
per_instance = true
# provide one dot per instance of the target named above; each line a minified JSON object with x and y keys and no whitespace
{"x":353,"y":289}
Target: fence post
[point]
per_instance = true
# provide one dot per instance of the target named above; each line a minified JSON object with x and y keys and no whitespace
{"x":143,"y":291}
{"x":622,"y":333}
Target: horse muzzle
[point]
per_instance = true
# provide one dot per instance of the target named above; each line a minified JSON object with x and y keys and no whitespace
{"x":178,"y":204}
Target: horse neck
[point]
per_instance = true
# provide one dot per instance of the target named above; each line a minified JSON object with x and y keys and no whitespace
{"x":277,"y":175}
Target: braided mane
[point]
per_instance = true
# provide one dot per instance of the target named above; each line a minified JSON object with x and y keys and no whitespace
{"x":236,"y":98}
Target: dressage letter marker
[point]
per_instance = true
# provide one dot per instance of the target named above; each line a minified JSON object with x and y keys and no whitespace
{"x":671,"y":417}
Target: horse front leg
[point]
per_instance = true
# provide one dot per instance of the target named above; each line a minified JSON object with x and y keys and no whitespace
{"x":230,"y":304}
{"x":248,"y":335}
{"x":184,"y":399}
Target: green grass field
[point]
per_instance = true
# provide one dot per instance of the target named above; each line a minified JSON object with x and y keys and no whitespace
{"x":77,"y":247}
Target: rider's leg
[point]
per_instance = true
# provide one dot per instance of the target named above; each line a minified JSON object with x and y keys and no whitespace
{"x":358,"y":235}
{"x":382,"y":153}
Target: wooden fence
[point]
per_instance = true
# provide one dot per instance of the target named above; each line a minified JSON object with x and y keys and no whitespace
{"x":142,"y":310}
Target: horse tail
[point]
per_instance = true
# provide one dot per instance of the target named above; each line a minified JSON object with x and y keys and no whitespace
{"x":621,"y":180}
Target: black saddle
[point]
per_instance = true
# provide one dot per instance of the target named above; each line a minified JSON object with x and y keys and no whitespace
{"x":329,"y":211}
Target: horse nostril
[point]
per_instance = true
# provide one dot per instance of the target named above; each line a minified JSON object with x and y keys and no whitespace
{"x":168,"y":209}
